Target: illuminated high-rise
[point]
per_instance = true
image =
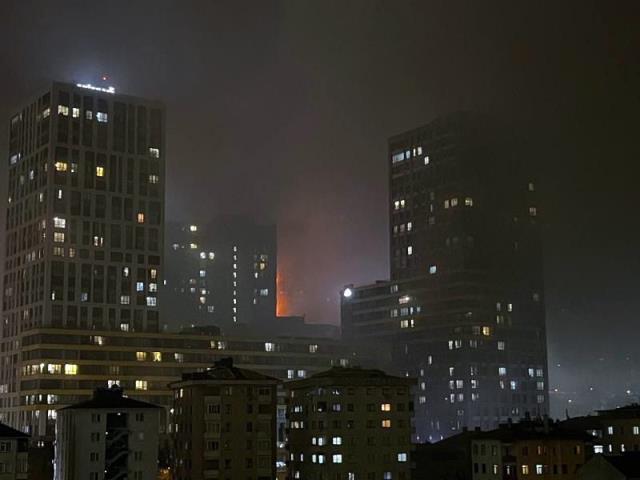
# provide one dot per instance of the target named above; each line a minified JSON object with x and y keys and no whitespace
{"x":84,"y":236}
{"x":463,"y":310}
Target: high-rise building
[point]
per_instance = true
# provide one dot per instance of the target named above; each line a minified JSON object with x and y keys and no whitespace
{"x":222,"y":273}
{"x":84,"y":229}
{"x":350,"y":423}
{"x":108,"y":437}
{"x":463,"y":310}
{"x":224,"y":424}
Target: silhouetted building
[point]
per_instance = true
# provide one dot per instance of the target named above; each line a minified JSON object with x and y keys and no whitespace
{"x":224,"y":424}
{"x":614,"y":431}
{"x":109,"y":437}
{"x":350,"y":423}
{"x":221,"y":273}
{"x":464,"y":309}
{"x":14,"y":454}
{"x":624,"y":466}
{"x":529,"y":449}
{"x":84,"y":233}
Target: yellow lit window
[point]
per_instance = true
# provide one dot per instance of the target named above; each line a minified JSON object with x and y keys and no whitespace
{"x":141,"y":356}
{"x":486,"y":331}
{"x":99,"y":171}
{"x":141,"y":218}
{"x":70,"y":369}
{"x":157,"y":356}
{"x":385,"y":407}
{"x":61,"y":166}
{"x":141,"y":384}
{"x":386,"y":423}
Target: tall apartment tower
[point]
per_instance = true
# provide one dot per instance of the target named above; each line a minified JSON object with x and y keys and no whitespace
{"x":463,"y":310}
{"x":221,"y":273}
{"x":350,"y":423}
{"x":84,"y":230}
{"x":224,"y":424}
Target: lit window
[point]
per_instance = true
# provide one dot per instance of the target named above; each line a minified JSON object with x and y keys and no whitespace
{"x":61,"y":166}
{"x":410,"y":250}
{"x":140,"y":217}
{"x":446,"y":204}
{"x":125,"y":300}
{"x":59,"y":222}
{"x":124,"y":327}
{"x":636,"y":430}
{"x":336,"y":441}
{"x":454,"y":202}
{"x":501,"y":345}
{"x":486,"y":331}
{"x":502,"y":371}
{"x":154,"y":179}
{"x":58,"y":237}
{"x":468,"y":202}
{"x":70,"y":369}
{"x":75,"y":112}
{"x":264,"y":292}
{"x":426,"y":160}
{"x":337,"y":458}
{"x":402,"y":457}
{"x":203,"y":273}
{"x":193,"y":228}
{"x":141,"y":385}
{"x":88,"y":114}
{"x":99,"y":171}
{"x":385,"y":407}
{"x":386,"y":423}
{"x":139,"y":286}
{"x":433,"y":269}
{"x":46,"y":112}
{"x":313,"y":348}
{"x":533,"y":211}
{"x":539,"y":469}
{"x":525,"y":469}
{"x":152,"y":301}
{"x":532,"y":187}
{"x":157,"y":356}
{"x":102,"y":117}
{"x":269,"y":347}
{"x":141,"y":356}
{"x":154,"y":152}
{"x":63,"y":110}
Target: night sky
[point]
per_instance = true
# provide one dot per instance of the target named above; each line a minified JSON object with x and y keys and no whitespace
{"x":281,"y":110}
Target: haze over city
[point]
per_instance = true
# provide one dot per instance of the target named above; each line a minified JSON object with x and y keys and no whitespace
{"x":282,"y":112}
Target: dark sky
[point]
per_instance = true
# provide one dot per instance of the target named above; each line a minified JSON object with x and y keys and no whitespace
{"x":281,"y":110}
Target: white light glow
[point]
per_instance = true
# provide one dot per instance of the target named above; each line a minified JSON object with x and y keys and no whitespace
{"x":347,"y":292}
{"x":98,"y":89}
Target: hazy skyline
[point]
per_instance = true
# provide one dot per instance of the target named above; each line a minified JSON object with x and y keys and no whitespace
{"x":282,"y":110}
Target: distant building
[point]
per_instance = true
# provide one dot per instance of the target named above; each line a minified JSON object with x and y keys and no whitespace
{"x":84,"y":232}
{"x":529,"y":449}
{"x":65,"y":366}
{"x":350,"y":423}
{"x":625,"y":466}
{"x":224,"y":424}
{"x":108,"y":437}
{"x":463,"y":310}
{"x":14,"y":454}
{"x":222,"y":273}
{"x":296,"y":326}
{"x":615,"y":431}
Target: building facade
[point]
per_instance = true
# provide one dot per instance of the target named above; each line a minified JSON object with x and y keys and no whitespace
{"x":108,"y":437}
{"x":350,"y":423}
{"x":61,"y":367}
{"x":529,"y":449}
{"x":84,"y":230}
{"x":221,"y":273}
{"x":223,"y":424}
{"x":14,"y":454}
{"x":463,"y":310}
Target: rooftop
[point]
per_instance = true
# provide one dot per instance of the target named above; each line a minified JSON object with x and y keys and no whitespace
{"x":110,"y":399}
{"x":223,"y":370}
{"x":7,"y":432}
